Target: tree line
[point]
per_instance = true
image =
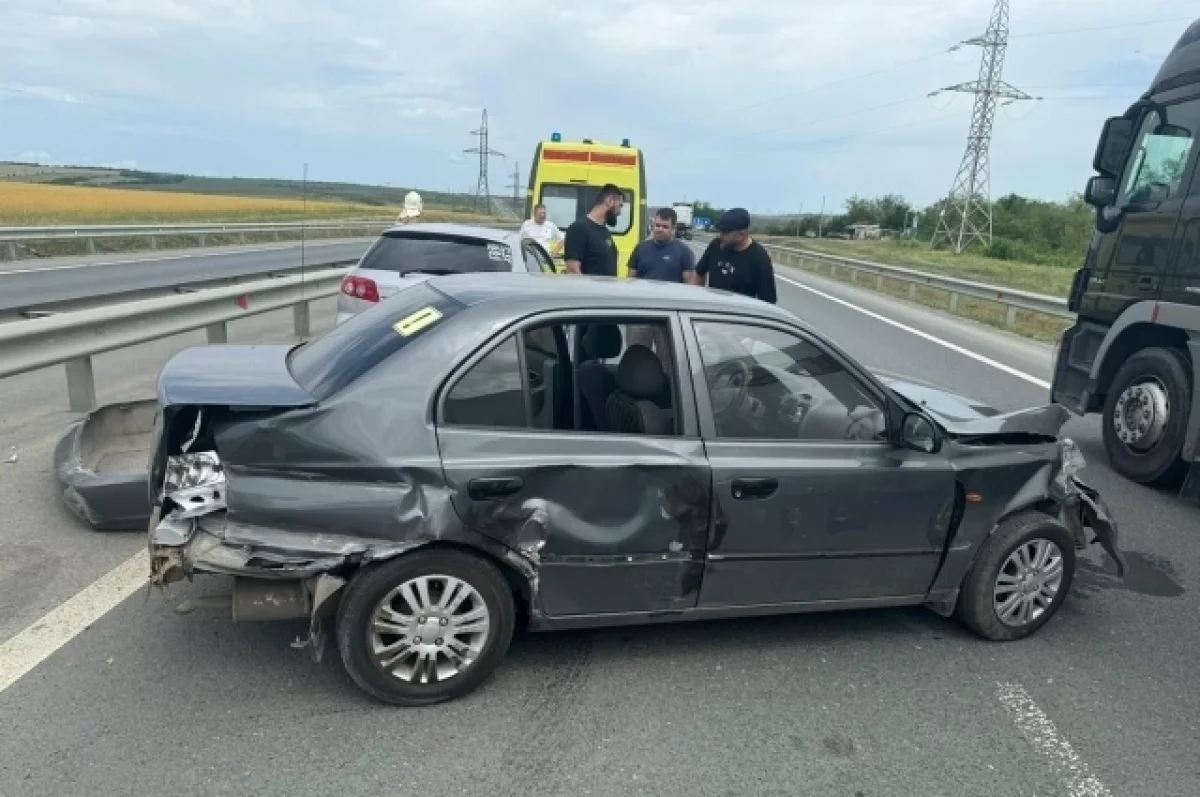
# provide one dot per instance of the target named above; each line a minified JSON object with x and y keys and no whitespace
{"x":1030,"y":230}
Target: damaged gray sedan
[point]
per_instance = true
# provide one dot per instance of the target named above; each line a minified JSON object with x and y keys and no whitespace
{"x":474,"y":455}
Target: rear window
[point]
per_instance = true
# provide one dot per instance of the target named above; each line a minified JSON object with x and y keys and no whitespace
{"x":326,"y":365}
{"x":438,"y":254}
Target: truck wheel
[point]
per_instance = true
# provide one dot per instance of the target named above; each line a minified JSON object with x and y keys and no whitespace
{"x":1020,"y":578}
{"x":425,"y":627}
{"x":1146,"y":415}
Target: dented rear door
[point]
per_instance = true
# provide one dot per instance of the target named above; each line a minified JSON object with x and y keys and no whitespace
{"x":614,"y":523}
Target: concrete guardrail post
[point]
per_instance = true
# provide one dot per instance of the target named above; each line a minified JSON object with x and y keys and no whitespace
{"x":1010,"y":315}
{"x":879,"y":282}
{"x":217,"y":333}
{"x":12,"y":250}
{"x":91,"y":246}
{"x":301,"y":320}
{"x":912,"y":291}
{"x":81,"y":385}
{"x":153,"y":242}
{"x":953,"y":302}
{"x":201,"y":239}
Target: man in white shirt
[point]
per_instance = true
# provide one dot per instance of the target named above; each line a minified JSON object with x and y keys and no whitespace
{"x":541,"y":230}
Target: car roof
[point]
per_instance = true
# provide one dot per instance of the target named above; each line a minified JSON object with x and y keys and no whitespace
{"x":450,"y":229}
{"x":573,"y":291}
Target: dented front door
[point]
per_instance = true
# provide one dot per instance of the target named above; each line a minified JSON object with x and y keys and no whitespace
{"x":615,"y":523}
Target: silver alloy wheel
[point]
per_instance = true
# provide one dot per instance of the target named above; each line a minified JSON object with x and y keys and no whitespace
{"x":1028,"y":582}
{"x":1141,"y":414}
{"x":429,"y":629}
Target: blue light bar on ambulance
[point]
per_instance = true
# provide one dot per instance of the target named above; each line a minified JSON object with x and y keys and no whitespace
{"x":624,"y":142}
{"x":556,"y":136}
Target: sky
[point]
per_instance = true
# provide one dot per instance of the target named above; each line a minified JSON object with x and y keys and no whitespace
{"x":774,"y":105}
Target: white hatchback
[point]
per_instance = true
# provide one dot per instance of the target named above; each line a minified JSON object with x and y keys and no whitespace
{"x":408,"y":250}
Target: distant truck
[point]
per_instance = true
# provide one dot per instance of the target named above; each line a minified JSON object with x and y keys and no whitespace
{"x":683,"y":220}
{"x":1133,"y":354}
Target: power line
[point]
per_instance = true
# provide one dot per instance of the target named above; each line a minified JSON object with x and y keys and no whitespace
{"x":1142,"y":24}
{"x":483,"y":193}
{"x":967,"y":215}
{"x":811,"y":90}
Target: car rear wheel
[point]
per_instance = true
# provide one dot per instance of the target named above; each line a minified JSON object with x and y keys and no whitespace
{"x":1145,"y":417}
{"x":1020,"y":578}
{"x":425,"y":628}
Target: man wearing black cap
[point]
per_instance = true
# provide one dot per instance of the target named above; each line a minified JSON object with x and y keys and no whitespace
{"x":735,"y":262}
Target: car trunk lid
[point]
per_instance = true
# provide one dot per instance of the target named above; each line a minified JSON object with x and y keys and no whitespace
{"x":231,"y":376}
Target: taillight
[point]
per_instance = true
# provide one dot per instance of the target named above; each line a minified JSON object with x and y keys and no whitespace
{"x":361,"y":288}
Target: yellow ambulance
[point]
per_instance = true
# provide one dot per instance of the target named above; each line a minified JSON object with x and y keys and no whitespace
{"x":567,"y":175}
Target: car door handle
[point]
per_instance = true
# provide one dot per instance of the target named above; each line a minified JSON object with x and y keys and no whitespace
{"x":1146,"y":283}
{"x":487,"y":489}
{"x":754,"y":488}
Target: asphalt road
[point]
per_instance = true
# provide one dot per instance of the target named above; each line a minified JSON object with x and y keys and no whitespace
{"x":25,"y":284}
{"x":1104,"y":701}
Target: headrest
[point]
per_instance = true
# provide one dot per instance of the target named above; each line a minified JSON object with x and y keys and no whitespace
{"x":601,"y":341}
{"x":640,"y":374}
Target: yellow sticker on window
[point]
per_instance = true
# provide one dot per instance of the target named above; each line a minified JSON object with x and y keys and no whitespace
{"x":414,"y":323}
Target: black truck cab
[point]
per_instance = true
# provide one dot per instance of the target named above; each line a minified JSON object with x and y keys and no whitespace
{"x":1134,"y":351}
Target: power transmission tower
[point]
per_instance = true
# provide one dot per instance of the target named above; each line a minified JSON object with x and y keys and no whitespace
{"x":483,"y":194}
{"x":516,"y":184}
{"x":967,"y":214}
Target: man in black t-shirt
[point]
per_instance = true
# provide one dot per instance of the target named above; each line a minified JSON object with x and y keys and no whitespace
{"x":589,"y":247}
{"x":735,"y":262}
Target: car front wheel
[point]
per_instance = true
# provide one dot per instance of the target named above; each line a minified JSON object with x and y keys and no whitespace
{"x":424,"y":628}
{"x":1020,"y":578}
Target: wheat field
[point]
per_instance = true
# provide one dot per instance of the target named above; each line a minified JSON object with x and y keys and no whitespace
{"x":43,"y":205}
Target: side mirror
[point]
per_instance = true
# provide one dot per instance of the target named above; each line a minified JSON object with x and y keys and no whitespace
{"x":1100,"y":192}
{"x":918,"y":433}
{"x":1113,"y":147}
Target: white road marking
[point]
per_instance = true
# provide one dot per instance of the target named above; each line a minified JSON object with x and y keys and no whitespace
{"x":219,"y":253}
{"x":37,"y":642}
{"x":1008,"y":369}
{"x":1040,"y":732}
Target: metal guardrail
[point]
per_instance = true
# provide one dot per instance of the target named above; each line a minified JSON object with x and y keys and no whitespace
{"x":1013,"y":300}
{"x":74,"y":338}
{"x":89,"y":234}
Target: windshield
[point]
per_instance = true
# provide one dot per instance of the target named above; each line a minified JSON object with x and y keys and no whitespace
{"x":349,"y":350}
{"x":440,"y":254}
{"x":566,"y":203}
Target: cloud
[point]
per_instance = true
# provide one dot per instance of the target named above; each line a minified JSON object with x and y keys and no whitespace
{"x":766,"y":104}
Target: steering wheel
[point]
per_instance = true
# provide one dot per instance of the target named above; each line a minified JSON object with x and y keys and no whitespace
{"x":794,"y":408}
{"x":729,"y":386}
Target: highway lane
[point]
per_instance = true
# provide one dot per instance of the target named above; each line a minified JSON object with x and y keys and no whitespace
{"x":1103,"y":701}
{"x":26,"y":284}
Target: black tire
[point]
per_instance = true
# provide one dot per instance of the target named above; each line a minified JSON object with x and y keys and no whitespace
{"x":1162,"y":465}
{"x":976,"y":606}
{"x":373,"y":583}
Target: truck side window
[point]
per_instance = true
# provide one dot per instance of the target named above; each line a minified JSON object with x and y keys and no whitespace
{"x":1158,"y":169}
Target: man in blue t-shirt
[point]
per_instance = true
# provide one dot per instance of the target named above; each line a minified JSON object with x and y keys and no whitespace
{"x":663,"y":257}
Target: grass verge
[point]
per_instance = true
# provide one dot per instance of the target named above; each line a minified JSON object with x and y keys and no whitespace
{"x":1031,"y":277}
{"x":1031,"y":325}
